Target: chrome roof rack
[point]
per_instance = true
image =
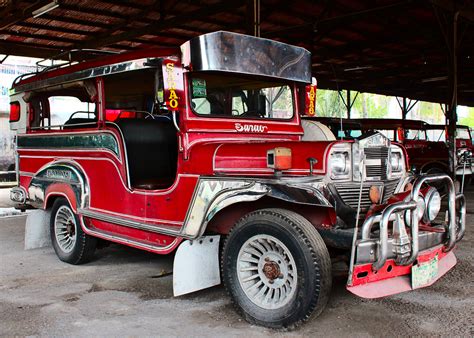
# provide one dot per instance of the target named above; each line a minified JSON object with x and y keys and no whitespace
{"x":63,"y":59}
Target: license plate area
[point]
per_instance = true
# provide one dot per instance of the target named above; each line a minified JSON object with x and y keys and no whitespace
{"x":424,"y":273}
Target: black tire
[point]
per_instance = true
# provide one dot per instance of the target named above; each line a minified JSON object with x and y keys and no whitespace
{"x":310,"y":257}
{"x":82,"y":248}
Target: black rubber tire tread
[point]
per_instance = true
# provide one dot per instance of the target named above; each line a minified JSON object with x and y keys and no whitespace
{"x":307,"y":234}
{"x":85,"y":245}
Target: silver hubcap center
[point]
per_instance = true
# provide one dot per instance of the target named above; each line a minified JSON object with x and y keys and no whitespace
{"x":65,"y":229}
{"x":266,"y":272}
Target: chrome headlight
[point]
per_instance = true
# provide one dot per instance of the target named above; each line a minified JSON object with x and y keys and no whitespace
{"x":397,"y":160}
{"x":463,"y":155}
{"x":420,"y":210}
{"x":433,"y":205}
{"x":340,"y":161}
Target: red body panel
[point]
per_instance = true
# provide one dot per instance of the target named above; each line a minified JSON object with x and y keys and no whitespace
{"x":397,"y":280}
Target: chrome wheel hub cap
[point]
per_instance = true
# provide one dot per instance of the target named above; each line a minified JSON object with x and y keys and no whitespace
{"x":266,"y":272}
{"x":65,"y":229}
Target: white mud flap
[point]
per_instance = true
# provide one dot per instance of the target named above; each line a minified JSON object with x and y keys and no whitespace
{"x":196,"y":265}
{"x":37,"y":229}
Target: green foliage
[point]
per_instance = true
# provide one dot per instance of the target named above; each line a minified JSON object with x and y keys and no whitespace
{"x":328,"y":103}
{"x":370,"y":105}
{"x":469,"y":119}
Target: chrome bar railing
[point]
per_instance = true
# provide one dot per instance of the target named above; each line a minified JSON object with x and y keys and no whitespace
{"x":455,"y":230}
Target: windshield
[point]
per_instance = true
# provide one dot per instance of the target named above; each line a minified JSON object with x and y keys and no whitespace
{"x":463,"y":133}
{"x":415,"y":134}
{"x":241,"y":97}
{"x":436,"y":135}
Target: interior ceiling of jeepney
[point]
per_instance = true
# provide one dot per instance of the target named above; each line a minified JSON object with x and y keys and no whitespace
{"x":390,"y":47}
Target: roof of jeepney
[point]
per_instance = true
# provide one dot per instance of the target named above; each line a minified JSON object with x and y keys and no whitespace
{"x":105,"y":60}
{"x":390,"y":47}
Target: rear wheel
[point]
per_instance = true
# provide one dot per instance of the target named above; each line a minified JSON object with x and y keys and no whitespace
{"x":70,"y":243}
{"x":276,"y":268}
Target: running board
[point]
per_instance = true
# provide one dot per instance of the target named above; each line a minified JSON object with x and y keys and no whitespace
{"x":155,"y":228}
{"x":125,"y":240}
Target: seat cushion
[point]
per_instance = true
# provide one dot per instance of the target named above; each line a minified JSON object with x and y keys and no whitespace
{"x":153,"y":184}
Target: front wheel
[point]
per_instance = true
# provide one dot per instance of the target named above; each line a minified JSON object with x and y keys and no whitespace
{"x":276,"y":268}
{"x":70,"y":243}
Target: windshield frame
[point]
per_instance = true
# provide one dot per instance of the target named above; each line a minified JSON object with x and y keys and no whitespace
{"x":291,"y":85}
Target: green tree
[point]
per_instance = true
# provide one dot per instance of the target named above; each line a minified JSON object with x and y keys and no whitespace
{"x":328,"y":103}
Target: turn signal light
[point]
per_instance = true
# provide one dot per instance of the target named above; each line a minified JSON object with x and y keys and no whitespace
{"x":279,"y":158}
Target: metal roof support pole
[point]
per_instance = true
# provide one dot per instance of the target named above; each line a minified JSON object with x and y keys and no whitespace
{"x":348,"y":105}
{"x":448,"y":22}
{"x":451,"y":115}
{"x":404,"y":109}
{"x":253,"y":17}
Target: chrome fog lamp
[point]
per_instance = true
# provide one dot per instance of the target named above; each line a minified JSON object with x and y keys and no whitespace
{"x":420,"y":210}
{"x":433,"y":205}
{"x":17,"y":195}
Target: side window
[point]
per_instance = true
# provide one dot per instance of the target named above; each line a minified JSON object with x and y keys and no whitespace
{"x":201,"y":106}
{"x":67,"y":106}
{"x":390,"y":134}
{"x":238,"y":105}
{"x":70,"y":110}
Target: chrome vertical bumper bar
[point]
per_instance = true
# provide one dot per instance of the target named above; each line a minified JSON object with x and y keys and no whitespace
{"x":383,"y":241}
{"x":461,"y":202}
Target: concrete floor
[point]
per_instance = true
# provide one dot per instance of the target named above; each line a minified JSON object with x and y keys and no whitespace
{"x":129,"y":292}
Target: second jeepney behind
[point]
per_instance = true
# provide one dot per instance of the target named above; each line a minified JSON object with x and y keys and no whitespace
{"x":174,"y":150}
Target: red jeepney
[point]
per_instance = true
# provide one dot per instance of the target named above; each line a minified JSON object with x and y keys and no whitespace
{"x":179,"y":150}
{"x":437,"y":133}
{"x":426,"y":154}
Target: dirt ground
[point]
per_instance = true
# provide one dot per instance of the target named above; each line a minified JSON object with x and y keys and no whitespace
{"x":127,"y":292}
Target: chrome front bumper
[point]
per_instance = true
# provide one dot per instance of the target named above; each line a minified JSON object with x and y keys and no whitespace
{"x":402,"y":247}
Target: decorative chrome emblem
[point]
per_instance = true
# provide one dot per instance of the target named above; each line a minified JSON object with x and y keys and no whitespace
{"x":375,"y":140}
{"x":250,"y":128}
{"x":59,"y":174}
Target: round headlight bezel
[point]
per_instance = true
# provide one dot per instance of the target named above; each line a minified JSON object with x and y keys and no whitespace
{"x":420,"y":209}
{"x":433,"y":205}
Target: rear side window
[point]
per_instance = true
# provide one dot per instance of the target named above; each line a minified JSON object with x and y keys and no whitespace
{"x":67,"y":106}
{"x":71,"y":110}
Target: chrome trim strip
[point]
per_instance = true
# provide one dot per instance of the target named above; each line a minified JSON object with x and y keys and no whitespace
{"x":125,"y":155}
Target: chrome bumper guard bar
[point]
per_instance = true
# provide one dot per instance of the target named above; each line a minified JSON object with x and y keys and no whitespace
{"x":406,"y":247}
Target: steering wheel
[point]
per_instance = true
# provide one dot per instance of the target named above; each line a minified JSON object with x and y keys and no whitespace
{"x":149,"y":115}
{"x":252,"y":113}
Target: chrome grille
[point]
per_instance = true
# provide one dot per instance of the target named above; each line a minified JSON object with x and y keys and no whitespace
{"x":349,"y":192}
{"x":376,"y":162}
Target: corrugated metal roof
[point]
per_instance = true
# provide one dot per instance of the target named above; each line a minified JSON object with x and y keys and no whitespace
{"x":390,"y":47}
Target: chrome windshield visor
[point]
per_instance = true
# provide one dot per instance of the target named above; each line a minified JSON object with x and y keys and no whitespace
{"x":237,"y":53}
